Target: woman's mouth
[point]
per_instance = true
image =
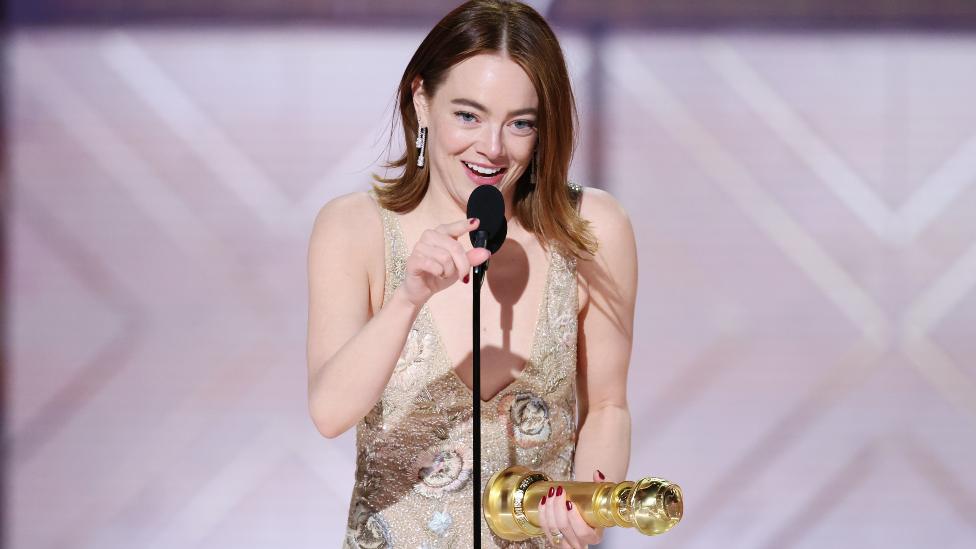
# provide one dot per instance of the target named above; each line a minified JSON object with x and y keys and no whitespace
{"x":483,"y":175}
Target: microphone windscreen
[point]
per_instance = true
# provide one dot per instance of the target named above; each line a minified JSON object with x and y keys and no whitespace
{"x":486,"y":203}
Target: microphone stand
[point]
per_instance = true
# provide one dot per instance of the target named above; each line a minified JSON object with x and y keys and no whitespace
{"x":480,"y":241}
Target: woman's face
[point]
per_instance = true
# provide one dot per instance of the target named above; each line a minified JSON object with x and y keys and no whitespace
{"x":481,"y":126}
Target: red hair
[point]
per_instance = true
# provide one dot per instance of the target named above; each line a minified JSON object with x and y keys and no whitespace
{"x":547,"y":208}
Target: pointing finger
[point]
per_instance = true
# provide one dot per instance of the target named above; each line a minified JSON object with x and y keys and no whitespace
{"x":458,"y":228}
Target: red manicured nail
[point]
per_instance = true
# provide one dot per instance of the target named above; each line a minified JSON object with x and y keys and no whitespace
{"x":559,"y":491}
{"x":465,"y":279}
{"x":543,"y":502}
{"x":601,"y":475}
{"x":472,"y":220}
{"x":569,"y":505}
{"x":551,"y":491}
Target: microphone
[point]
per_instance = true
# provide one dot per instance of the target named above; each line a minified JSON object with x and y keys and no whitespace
{"x":486,"y":203}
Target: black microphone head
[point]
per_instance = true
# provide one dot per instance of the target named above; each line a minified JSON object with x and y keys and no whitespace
{"x":486,"y":203}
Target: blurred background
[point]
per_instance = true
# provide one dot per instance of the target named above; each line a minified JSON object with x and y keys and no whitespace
{"x":801,"y":177}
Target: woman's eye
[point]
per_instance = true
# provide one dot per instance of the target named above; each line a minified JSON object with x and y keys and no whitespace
{"x":465,"y":116}
{"x":523,"y":125}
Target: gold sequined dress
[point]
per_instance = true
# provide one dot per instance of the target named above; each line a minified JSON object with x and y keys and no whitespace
{"x":414,"y":459}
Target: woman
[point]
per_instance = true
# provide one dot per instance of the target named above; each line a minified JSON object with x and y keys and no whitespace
{"x":485,"y":100}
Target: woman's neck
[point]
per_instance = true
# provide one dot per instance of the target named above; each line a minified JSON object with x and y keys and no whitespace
{"x":439,"y":206}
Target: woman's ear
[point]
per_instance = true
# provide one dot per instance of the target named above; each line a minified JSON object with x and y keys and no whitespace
{"x":420,"y":105}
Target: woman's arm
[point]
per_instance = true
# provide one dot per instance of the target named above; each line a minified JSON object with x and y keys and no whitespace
{"x":351,"y":354}
{"x":606,"y":333}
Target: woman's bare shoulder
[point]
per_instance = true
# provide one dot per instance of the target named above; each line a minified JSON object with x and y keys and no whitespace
{"x":608,"y":219}
{"x":609,"y":277}
{"x":349,"y":206}
{"x":350,"y":222}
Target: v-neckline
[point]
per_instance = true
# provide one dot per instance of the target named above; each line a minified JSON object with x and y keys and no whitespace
{"x":441,"y":349}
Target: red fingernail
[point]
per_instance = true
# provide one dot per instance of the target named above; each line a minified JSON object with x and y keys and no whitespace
{"x":543,"y":502}
{"x":466,"y":281}
{"x":472,"y":220}
{"x":601,"y":475}
{"x":569,"y":505}
{"x":559,"y":491}
{"x":551,"y":491}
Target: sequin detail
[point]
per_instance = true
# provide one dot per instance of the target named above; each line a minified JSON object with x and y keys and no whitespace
{"x":413,"y":467}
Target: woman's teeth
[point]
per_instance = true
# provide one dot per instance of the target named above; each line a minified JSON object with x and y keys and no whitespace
{"x":482,"y":171}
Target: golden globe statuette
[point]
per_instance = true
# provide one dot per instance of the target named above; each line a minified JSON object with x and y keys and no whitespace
{"x":511,"y":503}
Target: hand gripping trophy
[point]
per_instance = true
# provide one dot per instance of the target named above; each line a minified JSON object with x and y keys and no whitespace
{"x":511,"y":503}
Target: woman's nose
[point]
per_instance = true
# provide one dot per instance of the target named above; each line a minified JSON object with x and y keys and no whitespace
{"x":491,"y":144}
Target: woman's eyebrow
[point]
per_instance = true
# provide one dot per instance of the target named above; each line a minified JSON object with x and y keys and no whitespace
{"x":475,"y":105}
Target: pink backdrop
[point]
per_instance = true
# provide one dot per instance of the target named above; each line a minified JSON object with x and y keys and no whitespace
{"x":804,"y":362}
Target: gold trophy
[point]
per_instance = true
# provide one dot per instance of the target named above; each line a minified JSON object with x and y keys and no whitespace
{"x":511,"y":503}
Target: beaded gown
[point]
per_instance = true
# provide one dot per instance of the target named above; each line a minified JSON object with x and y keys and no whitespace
{"x":413,"y":465}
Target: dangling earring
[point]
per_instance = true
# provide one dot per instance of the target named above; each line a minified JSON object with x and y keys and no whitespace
{"x":533,"y":175}
{"x":421,"y":146}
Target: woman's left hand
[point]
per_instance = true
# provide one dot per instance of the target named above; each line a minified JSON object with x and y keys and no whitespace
{"x":561,"y":521}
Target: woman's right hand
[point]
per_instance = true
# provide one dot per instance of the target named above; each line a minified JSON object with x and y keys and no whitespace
{"x":438,"y":260}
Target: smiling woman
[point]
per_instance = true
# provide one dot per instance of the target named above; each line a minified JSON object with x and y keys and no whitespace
{"x":489,"y":145}
{"x":483,"y":174}
{"x":530,"y":72}
{"x":486,"y":100}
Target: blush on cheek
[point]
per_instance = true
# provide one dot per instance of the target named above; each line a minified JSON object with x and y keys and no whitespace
{"x":454,"y":142}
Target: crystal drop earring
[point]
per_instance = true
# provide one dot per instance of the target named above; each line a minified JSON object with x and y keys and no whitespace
{"x":533,"y":175}
{"x":421,"y":146}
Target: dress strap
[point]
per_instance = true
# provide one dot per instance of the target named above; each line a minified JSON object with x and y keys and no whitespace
{"x":575,"y":194}
{"x":395,"y":260}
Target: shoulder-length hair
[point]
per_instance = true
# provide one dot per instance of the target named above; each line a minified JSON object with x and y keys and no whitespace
{"x":548,"y":208}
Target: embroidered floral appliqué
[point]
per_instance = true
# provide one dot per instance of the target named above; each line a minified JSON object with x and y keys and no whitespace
{"x":442,"y":470}
{"x":440,"y":523}
{"x":564,"y":329}
{"x":528,"y":415}
{"x":367,"y":529}
{"x":416,"y":352}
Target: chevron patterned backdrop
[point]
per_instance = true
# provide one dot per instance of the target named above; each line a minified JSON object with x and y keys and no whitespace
{"x":805,"y":208}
